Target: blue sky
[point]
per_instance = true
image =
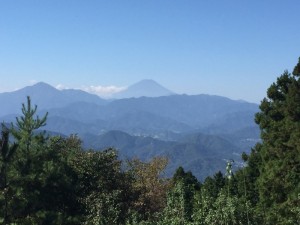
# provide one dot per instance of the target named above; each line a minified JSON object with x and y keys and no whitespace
{"x":233,"y":48}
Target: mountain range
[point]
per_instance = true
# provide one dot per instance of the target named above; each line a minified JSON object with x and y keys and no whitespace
{"x":194,"y":131}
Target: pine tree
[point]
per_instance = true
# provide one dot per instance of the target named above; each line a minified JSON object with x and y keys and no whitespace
{"x":27,"y":124}
{"x":27,"y":162}
{"x":278,"y":156}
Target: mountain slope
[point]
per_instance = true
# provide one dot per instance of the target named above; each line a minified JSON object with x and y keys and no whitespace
{"x":193,"y":110}
{"x":193,"y":152}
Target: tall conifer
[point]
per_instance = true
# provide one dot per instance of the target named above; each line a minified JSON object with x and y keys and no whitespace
{"x":279,"y":153}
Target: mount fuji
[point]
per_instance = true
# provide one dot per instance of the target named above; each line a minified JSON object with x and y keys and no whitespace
{"x":144,"y":88}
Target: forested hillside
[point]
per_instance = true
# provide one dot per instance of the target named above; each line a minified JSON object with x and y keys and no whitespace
{"x":52,"y":180}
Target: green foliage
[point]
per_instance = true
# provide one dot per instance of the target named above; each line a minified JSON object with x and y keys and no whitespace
{"x":226,"y":210}
{"x":27,"y":124}
{"x":7,"y":153}
{"x":176,"y":211}
{"x":149,"y":186}
{"x":213,"y":185}
{"x":296,"y":71}
{"x":105,"y":191}
{"x":26,"y":174}
{"x":276,"y":161}
{"x":180,"y":198}
{"x":40,"y":183}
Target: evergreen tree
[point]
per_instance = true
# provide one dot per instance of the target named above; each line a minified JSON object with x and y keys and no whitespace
{"x":27,"y":163}
{"x":26,"y":125}
{"x":42,"y":182}
{"x":180,"y":198}
{"x":213,"y":185}
{"x":278,"y":156}
{"x":6,"y":194}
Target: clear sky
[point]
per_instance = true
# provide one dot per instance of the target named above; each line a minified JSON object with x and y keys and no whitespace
{"x":233,"y":48}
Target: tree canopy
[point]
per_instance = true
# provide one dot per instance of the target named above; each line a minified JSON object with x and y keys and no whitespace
{"x":278,"y":181}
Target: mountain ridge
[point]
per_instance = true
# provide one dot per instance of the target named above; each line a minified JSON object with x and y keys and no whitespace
{"x":45,"y":96}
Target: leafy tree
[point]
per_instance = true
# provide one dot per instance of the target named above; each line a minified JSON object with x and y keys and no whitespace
{"x":176,"y":211}
{"x":58,"y":178}
{"x":180,"y":198}
{"x":149,"y":185}
{"x":226,"y":210}
{"x":104,"y":190}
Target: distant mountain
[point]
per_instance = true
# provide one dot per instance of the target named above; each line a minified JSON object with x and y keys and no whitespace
{"x":90,"y":118}
{"x":144,"y":88}
{"x":196,"y":111}
{"x":202,"y":154}
{"x":45,"y":96}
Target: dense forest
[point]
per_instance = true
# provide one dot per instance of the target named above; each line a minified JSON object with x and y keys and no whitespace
{"x":53,"y":180}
